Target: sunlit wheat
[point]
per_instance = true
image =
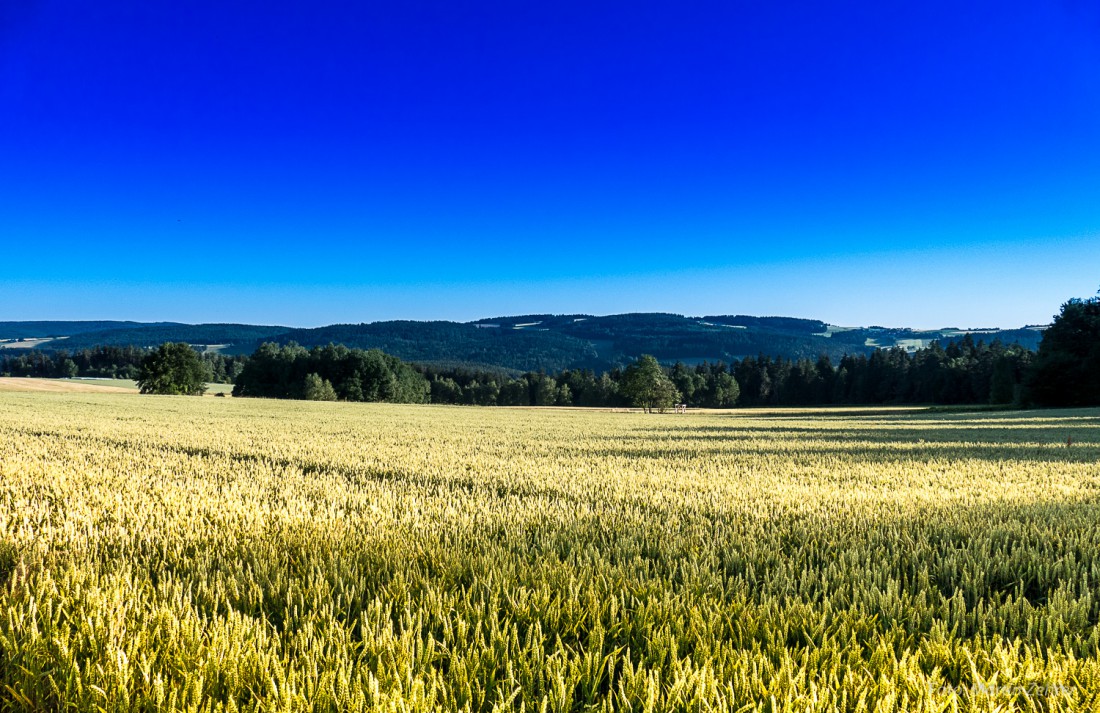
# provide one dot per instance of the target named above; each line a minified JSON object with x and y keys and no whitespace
{"x":215,"y":554}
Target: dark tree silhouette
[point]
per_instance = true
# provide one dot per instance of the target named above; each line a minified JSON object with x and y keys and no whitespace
{"x":1067,"y":367}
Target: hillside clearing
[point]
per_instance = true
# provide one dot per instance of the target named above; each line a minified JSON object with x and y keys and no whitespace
{"x":26,"y":343}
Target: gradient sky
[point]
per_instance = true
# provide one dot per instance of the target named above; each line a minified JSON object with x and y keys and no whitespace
{"x":912,"y":164}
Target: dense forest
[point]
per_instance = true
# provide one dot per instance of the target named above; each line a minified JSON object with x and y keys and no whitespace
{"x":155,"y":335}
{"x":1064,"y":372}
{"x":964,"y":372}
{"x":554,"y":343}
{"x":330,"y":373}
{"x":518,"y":350}
{"x":540,"y":342}
{"x":48,"y":329}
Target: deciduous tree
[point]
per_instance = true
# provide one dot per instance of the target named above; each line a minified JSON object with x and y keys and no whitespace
{"x":647,"y":386}
{"x":173,"y":369}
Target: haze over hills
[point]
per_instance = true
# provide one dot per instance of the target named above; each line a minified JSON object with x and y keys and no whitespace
{"x":524,"y":342}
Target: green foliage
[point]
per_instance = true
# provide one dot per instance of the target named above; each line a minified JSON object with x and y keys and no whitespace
{"x":283,"y":372}
{"x":1003,"y":386}
{"x":68,"y":368}
{"x":648,"y":387}
{"x":786,"y":324}
{"x":173,"y":369}
{"x":550,"y":343}
{"x":966,"y":372}
{"x":317,"y":389}
{"x":108,"y":362}
{"x":961,"y":373}
{"x":1067,"y":367}
{"x":150,"y":335}
{"x":451,"y":341}
{"x":726,"y":391}
{"x":33,"y":330}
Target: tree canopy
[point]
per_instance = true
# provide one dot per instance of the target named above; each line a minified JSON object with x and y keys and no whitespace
{"x":327,"y":373}
{"x":318,"y":389}
{"x":1067,"y":366}
{"x":173,"y":368}
{"x":647,"y":385}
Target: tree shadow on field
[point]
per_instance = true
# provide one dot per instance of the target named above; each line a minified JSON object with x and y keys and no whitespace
{"x":885,"y":430}
{"x":1075,"y":437}
{"x":1069,"y":440}
{"x":992,"y":455}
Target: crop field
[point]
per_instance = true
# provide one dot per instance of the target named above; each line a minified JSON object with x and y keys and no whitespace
{"x":175,"y":553}
{"x":20,"y":383}
{"x":86,"y":385}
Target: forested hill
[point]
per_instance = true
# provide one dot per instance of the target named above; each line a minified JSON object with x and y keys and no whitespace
{"x":526,"y":342}
{"x":41,"y":330}
{"x":218,"y":336}
{"x":458,"y":343}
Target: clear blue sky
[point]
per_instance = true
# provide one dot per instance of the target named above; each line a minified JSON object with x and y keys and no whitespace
{"x":921,"y":164}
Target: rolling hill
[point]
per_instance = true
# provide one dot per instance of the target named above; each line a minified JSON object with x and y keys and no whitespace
{"x":526,"y":342}
{"x":41,"y":330}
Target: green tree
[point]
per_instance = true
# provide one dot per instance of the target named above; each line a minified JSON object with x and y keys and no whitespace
{"x":726,"y":390}
{"x":546,"y":390}
{"x":173,"y":369}
{"x":317,"y":389}
{"x":647,"y":386}
{"x":445,"y":390}
{"x":515,"y":392}
{"x":68,"y":369}
{"x":686,"y":381}
{"x":1066,"y":370}
{"x":487,"y":394}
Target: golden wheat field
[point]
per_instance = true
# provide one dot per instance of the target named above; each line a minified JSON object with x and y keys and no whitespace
{"x":174,"y":553}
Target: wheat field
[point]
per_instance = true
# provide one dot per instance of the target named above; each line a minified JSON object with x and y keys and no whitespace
{"x":185,"y":554}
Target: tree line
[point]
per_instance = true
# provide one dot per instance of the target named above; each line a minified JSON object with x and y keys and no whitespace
{"x":1065,"y":371}
{"x":330,"y":373}
{"x":644,"y":383}
{"x":107,"y":362}
{"x":963,"y":372}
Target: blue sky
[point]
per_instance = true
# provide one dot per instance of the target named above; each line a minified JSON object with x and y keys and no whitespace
{"x":921,"y":164}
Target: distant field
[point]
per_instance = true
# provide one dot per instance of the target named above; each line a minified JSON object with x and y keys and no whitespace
{"x":24,"y":344}
{"x":248,"y":554}
{"x":87,"y":385}
{"x":67,"y":386}
{"x":121,"y":383}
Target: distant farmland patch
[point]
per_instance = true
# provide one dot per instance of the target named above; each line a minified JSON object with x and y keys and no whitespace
{"x":27,"y":343}
{"x":101,"y":386}
{"x":19,"y":383}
